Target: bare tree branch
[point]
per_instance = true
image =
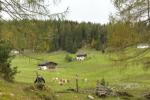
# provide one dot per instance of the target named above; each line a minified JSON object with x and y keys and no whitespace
{"x":29,"y":9}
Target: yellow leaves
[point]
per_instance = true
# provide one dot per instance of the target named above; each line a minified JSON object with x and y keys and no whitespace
{"x":7,"y":35}
{"x":121,"y":35}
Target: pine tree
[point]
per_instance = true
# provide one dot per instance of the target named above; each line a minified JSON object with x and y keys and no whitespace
{"x":6,"y":72}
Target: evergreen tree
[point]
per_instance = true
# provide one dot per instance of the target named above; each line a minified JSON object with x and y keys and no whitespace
{"x":6,"y":72}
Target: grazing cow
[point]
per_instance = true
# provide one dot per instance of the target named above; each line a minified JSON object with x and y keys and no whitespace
{"x":63,"y":81}
{"x":60,"y":81}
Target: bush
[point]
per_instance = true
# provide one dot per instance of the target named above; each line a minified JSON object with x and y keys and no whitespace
{"x":6,"y":72}
{"x":103,"y":82}
{"x":68,"y":58}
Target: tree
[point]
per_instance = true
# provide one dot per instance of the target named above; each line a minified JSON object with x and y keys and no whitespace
{"x":18,"y":10}
{"x":28,"y":9}
{"x":122,"y":35}
{"x":133,"y":10}
{"x":6,"y":72}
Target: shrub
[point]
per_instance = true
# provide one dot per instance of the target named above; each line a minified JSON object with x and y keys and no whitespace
{"x":103,"y":82}
{"x":6,"y":72}
{"x":68,"y":58}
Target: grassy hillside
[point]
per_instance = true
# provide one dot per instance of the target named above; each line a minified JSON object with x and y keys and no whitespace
{"x":128,"y":75}
{"x":22,"y":91}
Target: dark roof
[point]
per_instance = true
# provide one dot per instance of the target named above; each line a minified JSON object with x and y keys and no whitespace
{"x":81,"y":55}
{"x":47,"y":63}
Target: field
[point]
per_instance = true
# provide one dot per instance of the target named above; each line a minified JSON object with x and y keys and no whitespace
{"x":128,"y":75}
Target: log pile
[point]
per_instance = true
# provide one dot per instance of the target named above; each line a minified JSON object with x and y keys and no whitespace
{"x":102,"y":91}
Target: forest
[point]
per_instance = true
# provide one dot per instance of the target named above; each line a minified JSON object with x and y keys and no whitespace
{"x":52,"y":35}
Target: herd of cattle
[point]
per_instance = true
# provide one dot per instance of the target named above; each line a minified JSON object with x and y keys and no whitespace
{"x":63,"y":81}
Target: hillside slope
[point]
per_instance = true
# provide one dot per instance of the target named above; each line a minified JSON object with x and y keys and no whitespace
{"x":125,"y":75}
{"x":22,"y":91}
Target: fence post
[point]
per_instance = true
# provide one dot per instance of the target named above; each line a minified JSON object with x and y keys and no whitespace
{"x":77,"y":84}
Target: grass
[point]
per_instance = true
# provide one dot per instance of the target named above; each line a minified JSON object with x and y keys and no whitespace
{"x":95,"y":67}
{"x":22,"y":91}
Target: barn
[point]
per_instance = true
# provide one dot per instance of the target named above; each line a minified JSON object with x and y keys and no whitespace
{"x":47,"y":65}
{"x":81,"y":56}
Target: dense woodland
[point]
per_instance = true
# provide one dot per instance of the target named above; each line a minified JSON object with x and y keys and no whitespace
{"x":39,"y":35}
{"x":53,"y":35}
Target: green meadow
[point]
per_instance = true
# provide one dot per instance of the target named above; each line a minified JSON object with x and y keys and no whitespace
{"x":126,"y":75}
{"x":73,"y":50}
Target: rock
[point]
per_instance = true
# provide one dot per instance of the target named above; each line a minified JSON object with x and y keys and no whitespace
{"x":90,"y":97}
{"x":85,"y":80}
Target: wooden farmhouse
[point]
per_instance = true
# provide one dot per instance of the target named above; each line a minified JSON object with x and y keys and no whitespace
{"x":47,"y":65}
{"x":81,"y":56}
